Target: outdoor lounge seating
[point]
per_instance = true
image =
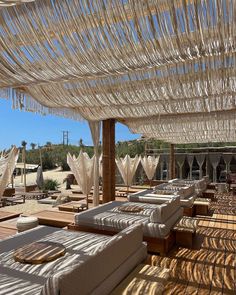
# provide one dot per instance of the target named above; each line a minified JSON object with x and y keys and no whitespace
{"x":81,"y":270}
{"x":157,"y":221}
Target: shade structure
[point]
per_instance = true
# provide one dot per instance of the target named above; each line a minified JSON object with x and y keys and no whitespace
{"x":227,"y":159}
{"x":180,"y":159}
{"x":7,"y":166}
{"x":39,"y":177}
{"x":215,"y":160}
{"x":127,"y":167}
{"x":122,"y":59}
{"x":190,"y":159}
{"x":83,"y":169}
{"x":200,"y":160}
{"x":150,"y":165}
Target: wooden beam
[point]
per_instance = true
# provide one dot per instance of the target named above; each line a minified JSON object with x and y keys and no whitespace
{"x":172,"y":162}
{"x":108,"y":160}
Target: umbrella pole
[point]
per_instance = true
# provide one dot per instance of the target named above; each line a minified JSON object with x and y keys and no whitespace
{"x":87,"y":200}
{"x":150,"y":183}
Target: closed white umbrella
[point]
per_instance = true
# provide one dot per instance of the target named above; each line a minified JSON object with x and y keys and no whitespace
{"x":7,"y":166}
{"x":83,"y":170}
{"x":150,"y":165}
{"x":127,"y":167}
{"x":39,"y":177}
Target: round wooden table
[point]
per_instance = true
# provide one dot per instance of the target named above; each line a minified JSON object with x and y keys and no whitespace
{"x":39,"y":252}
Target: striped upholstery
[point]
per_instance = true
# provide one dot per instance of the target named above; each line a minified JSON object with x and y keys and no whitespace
{"x":109,"y":217}
{"x":45,"y":278}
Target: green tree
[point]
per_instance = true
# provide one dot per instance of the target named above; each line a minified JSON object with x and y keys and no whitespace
{"x":33,"y":145}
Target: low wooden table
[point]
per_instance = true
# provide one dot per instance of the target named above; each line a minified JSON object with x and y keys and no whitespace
{"x":54,"y":218}
{"x":5,"y":215}
{"x":73,"y":207}
{"x":39,"y":252}
{"x":185,"y":230}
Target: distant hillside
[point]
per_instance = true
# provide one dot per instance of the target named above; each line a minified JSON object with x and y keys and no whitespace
{"x":55,"y":155}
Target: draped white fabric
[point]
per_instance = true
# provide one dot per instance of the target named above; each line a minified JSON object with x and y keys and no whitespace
{"x":83,"y":170}
{"x":190,"y":162}
{"x":7,"y":166}
{"x":127,"y":167}
{"x":95,"y":128}
{"x":180,"y":159}
{"x":200,"y":160}
{"x":227,"y":159}
{"x":123,"y":59}
{"x":214,"y":159}
{"x":150,"y":165}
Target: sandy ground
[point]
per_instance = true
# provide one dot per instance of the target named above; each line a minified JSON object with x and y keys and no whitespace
{"x":55,"y":174}
{"x":32,"y":206}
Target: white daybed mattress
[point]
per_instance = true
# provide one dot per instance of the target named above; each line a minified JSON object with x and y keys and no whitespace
{"x":109,"y":217}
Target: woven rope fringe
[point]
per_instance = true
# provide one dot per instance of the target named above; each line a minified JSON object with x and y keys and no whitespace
{"x":24,"y":102}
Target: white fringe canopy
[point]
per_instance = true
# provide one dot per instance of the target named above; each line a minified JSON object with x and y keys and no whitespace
{"x":121,"y":59}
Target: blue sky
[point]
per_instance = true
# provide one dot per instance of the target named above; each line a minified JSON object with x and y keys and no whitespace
{"x":16,"y":126}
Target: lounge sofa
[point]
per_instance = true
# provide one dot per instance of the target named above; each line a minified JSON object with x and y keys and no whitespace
{"x":93,"y":264}
{"x":157,"y":220}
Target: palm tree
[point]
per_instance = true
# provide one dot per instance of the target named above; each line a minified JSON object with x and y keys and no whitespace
{"x":81,"y":143}
{"x":33,"y":145}
{"x":24,"y":143}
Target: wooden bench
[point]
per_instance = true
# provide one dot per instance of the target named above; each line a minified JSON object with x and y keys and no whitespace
{"x":144,"y":279}
{"x":202,"y":206}
{"x":185,"y":230}
{"x":73,"y":207}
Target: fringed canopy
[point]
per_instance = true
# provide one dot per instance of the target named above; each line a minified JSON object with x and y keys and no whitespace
{"x":166,"y":68}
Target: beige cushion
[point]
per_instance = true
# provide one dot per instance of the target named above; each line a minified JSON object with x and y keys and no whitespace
{"x":25,"y":223}
{"x":94,"y":271}
{"x":165,"y":210}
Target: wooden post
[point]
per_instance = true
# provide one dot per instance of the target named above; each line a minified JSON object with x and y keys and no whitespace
{"x":172,"y":162}
{"x":24,"y":161}
{"x":108,"y":160}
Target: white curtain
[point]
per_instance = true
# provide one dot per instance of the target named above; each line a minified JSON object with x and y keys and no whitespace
{"x":150,"y":165}
{"x":190,"y":162}
{"x":95,"y":128}
{"x":83,"y":170}
{"x":214,"y":159}
{"x":127,"y":167}
{"x":227,"y":159}
{"x":180,"y":159}
{"x":7,"y":166}
{"x":200,"y":160}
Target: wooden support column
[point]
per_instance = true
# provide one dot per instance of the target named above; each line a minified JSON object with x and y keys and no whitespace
{"x":108,"y":160}
{"x":172,"y":162}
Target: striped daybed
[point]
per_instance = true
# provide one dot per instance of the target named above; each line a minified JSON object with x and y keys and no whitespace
{"x":88,"y":267}
{"x":157,"y":221}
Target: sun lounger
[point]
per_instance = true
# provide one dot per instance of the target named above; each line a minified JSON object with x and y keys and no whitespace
{"x":157,"y":221}
{"x":80,"y":271}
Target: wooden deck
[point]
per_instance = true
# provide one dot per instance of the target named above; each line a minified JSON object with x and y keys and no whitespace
{"x":209,"y":268}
